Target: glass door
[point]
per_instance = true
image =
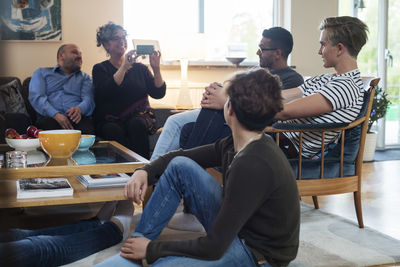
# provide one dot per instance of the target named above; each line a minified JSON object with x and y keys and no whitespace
{"x":380,"y":58}
{"x":392,"y":56}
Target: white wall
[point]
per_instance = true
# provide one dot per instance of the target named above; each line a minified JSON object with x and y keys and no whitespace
{"x":302,"y":18}
{"x":80,"y":19}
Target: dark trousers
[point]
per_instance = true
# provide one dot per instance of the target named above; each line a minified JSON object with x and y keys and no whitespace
{"x":208,"y":128}
{"x":131,"y":133}
{"x":57,"y":246}
{"x":18,"y":121}
{"x":48,"y":123}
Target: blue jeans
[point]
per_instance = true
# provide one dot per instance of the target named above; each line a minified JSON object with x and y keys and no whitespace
{"x":58,"y":245}
{"x":208,"y":128}
{"x":169,"y":137}
{"x":185,"y":179}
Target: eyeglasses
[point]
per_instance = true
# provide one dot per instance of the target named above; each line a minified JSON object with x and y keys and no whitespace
{"x":266,"y":49}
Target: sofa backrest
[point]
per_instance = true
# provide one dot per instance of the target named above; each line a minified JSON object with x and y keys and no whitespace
{"x":25,"y":95}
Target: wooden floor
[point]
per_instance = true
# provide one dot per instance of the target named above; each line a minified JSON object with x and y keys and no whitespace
{"x":380,"y":198}
{"x":380,"y":201}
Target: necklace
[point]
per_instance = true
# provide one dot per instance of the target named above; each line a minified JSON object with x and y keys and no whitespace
{"x":247,"y":143}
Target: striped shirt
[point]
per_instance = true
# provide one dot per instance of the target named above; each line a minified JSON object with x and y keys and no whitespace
{"x":345,"y":93}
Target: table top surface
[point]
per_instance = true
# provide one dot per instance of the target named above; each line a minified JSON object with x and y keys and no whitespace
{"x":103,"y":157}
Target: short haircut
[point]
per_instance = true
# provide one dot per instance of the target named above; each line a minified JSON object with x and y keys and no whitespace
{"x":256,"y":97}
{"x":350,"y":31}
{"x":280,"y":38}
{"x":61,"y":50}
{"x":106,"y":32}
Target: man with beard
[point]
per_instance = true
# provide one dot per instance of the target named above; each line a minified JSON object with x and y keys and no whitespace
{"x":274,"y":48}
{"x":206,"y":125}
{"x":62,"y":96}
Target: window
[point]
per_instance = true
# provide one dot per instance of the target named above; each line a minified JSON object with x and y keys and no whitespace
{"x":369,"y":65}
{"x":175,"y":24}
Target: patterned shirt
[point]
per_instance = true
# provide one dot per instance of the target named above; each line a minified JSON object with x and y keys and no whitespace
{"x":344,"y":92}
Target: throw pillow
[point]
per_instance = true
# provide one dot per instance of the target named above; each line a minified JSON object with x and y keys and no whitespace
{"x":11,"y":100}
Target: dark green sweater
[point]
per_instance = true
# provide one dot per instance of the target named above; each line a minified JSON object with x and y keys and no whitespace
{"x":260,"y":203}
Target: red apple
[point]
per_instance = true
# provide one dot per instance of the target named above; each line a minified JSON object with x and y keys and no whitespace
{"x":31,"y":130}
{"x":36,"y":134}
{"x":12,"y":134}
{"x":24,"y":136}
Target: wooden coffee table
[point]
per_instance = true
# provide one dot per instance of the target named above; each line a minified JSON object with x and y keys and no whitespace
{"x":110,"y":157}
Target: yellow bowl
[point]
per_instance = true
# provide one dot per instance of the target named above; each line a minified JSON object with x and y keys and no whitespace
{"x":60,"y":143}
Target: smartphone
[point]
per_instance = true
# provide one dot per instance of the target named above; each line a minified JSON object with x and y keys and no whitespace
{"x":144,"y":49}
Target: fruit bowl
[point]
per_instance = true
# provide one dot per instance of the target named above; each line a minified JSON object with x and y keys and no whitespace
{"x":60,"y":143}
{"x":23,"y":144}
{"x":87,"y":140}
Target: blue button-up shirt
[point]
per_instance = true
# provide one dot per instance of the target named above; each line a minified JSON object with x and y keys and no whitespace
{"x":52,"y":91}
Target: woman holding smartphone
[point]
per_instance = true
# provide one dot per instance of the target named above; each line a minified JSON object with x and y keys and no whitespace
{"x":121,"y":90}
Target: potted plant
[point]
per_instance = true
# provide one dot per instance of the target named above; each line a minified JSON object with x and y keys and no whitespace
{"x":378,"y":111}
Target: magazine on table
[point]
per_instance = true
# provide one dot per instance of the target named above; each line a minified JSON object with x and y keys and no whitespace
{"x":104,"y":180}
{"x":43,"y":187}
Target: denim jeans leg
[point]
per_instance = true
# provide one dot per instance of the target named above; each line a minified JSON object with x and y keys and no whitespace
{"x":49,"y":250}
{"x":18,"y":234}
{"x":169,"y":137}
{"x":237,"y":255}
{"x":117,"y":261}
{"x":182,"y":178}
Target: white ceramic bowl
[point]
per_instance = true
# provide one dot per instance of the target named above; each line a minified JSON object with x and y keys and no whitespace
{"x":23,"y":144}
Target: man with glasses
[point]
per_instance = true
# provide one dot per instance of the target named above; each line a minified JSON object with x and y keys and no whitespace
{"x":204,"y":126}
{"x":62,"y":96}
{"x":273,"y":51}
{"x":274,"y":48}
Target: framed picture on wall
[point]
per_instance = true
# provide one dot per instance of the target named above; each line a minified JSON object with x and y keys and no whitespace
{"x":30,"y":20}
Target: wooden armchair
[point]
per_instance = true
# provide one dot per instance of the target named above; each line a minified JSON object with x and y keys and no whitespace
{"x":338,"y":169}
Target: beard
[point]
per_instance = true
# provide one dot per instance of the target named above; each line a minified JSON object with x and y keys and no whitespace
{"x":266,"y":63}
{"x":73,"y":65}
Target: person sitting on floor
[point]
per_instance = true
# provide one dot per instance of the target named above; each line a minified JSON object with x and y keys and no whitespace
{"x":67,"y":243}
{"x":263,"y":228}
{"x":206,"y":125}
{"x":62,"y":96}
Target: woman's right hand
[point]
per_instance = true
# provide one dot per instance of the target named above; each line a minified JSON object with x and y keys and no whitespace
{"x":129,"y":59}
{"x":127,"y":62}
{"x":136,"y":187}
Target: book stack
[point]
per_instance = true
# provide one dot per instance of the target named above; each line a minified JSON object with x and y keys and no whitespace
{"x":104,"y":180}
{"x":43,"y":187}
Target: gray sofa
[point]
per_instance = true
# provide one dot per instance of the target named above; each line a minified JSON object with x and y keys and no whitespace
{"x":21,"y":120}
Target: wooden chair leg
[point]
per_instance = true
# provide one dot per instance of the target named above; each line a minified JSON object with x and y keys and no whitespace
{"x":315,"y":200}
{"x":357,"y":205}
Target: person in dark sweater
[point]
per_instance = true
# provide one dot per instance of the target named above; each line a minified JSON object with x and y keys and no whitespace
{"x":121,"y":90}
{"x":253,"y":219}
{"x":274,"y":48}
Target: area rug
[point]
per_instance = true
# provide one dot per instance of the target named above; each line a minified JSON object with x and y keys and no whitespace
{"x":387,"y":154}
{"x":325,"y":240}
{"x":330,"y":240}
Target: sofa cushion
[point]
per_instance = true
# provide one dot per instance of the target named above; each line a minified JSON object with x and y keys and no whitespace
{"x":11,"y":100}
